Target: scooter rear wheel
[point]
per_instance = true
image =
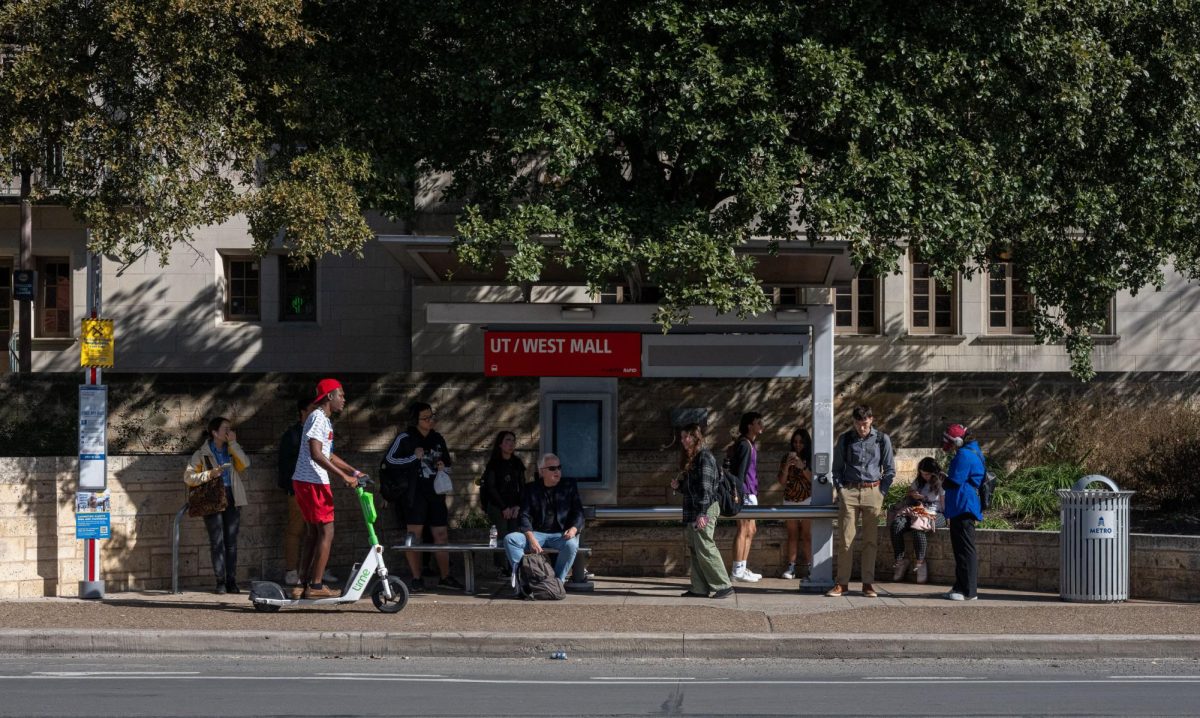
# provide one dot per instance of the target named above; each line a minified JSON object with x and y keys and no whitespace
{"x":399,"y":596}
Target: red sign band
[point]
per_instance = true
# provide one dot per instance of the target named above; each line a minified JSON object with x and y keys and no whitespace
{"x":562,"y":354}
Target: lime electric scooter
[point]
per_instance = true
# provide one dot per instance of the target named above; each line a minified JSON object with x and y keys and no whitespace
{"x":389,"y":593}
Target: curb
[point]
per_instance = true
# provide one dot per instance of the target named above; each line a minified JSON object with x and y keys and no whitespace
{"x":597,"y":645}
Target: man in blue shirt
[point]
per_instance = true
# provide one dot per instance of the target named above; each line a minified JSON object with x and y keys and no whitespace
{"x":864,"y":466}
{"x":967,"y":471}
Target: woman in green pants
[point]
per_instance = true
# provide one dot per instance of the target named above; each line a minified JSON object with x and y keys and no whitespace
{"x":698,"y":479}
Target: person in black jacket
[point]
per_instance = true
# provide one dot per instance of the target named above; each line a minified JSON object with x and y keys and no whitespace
{"x":421,"y":452}
{"x":698,"y":479}
{"x":551,"y":517}
{"x":500,"y":489}
{"x":289,"y":451}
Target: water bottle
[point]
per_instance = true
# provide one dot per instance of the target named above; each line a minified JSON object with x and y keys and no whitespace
{"x":492,"y":536}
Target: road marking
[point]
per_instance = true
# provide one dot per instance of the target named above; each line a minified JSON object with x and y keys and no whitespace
{"x":921,"y":679}
{"x":1173,"y":678}
{"x":381,"y":675}
{"x":642,"y":678}
{"x":98,"y":674}
{"x":576,"y":682}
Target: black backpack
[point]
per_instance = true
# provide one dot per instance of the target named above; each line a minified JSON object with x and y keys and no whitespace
{"x":728,"y":495}
{"x":536,"y":580}
{"x":987,"y":486}
{"x":393,"y":479}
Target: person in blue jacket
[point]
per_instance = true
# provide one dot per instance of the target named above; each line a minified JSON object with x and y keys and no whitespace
{"x":962,"y":482}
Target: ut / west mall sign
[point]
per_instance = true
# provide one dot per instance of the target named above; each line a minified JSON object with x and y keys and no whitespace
{"x":582,"y":354}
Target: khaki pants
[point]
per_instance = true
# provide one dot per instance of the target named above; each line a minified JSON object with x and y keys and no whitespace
{"x":292,"y":536}
{"x":708,"y":568}
{"x":852,"y":503}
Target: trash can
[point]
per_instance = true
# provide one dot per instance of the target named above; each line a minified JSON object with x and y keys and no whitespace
{"x":1094,"y":544}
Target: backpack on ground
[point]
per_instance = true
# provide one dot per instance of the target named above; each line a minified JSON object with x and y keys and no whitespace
{"x":536,"y":580}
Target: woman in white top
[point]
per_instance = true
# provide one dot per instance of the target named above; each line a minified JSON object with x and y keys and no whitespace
{"x":918,"y":515}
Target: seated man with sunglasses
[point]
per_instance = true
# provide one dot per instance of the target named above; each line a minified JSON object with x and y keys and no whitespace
{"x":551,"y":517}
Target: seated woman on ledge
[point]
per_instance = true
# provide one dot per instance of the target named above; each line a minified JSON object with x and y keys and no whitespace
{"x":919,"y":514}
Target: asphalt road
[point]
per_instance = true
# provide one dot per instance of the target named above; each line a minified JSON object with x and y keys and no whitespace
{"x":145,"y":686}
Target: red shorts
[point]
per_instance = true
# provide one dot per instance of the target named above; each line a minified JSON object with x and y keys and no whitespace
{"x":315,"y":502}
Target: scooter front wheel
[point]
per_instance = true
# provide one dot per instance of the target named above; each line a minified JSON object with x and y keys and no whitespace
{"x":399,"y":596}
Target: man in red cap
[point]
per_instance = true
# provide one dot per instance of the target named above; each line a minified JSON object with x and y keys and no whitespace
{"x":967,"y":470}
{"x":313,"y":493}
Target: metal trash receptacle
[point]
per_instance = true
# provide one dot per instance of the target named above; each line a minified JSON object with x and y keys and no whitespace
{"x":1094,"y":543}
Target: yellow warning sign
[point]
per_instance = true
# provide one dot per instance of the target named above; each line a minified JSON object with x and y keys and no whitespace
{"x":96,"y":343}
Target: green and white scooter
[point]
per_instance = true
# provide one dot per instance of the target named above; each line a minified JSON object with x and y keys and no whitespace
{"x":389,"y":594}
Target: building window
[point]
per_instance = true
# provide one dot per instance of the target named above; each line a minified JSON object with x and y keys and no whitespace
{"x":242,"y":285}
{"x":932,"y":303}
{"x":6,"y":306}
{"x":297,"y":292}
{"x":1009,"y":300}
{"x":53,"y":316}
{"x":856,"y":304}
{"x":784,"y":296}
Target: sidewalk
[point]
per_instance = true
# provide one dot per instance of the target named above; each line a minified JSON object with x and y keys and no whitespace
{"x":624,"y":616}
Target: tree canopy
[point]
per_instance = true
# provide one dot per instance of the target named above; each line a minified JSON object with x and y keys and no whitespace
{"x":643,"y":142}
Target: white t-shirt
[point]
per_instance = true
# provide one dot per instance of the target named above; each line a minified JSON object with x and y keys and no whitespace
{"x":316,"y":426}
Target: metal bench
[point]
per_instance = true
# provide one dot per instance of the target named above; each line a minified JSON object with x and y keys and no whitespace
{"x":578,"y":583}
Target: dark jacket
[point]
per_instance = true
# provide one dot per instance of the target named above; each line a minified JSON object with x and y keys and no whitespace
{"x":403,"y":455}
{"x":503,"y":481}
{"x":551,"y":510}
{"x":700,"y":486}
{"x":739,"y":464}
{"x":289,"y":452}
{"x":966,"y":472}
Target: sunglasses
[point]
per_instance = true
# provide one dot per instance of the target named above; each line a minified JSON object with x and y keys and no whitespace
{"x":431,"y":417}
{"x":557,"y":467}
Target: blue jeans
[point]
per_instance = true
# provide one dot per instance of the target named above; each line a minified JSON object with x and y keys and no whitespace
{"x":514,"y":548}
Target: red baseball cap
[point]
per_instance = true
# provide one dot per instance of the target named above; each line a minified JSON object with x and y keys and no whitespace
{"x":324,"y":387}
{"x":953,"y":436}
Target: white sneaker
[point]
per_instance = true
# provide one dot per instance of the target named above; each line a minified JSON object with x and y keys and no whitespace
{"x":790,"y":572}
{"x":746,"y":576}
{"x":899,"y":569}
{"x":956,"y":596}
{"x":755,"y":576}
{"x":329,"y":577}
{"x":291,"y":578}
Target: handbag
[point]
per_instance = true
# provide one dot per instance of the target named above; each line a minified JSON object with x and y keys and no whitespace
{"x":442,"y":484}
{"x":208,"y":497}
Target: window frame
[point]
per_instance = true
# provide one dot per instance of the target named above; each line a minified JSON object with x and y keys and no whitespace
{"x":284,"y":267}
{"x":1009,"y":328}
{"x":40,"y":305}
{"x":932,"y":285}
{"x":854,"y":328}
{"x":227,"y":283}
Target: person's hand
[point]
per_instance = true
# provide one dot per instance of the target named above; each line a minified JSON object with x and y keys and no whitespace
{"x":793,"y":459}
{"x":675,"y":484}
{"x":419,"y":453}
{"x":534,"y":546}
{"x":231,"y":436}
{"x":701,"y":522}
{"x":352,"y":478}
{"x":216,"y":473}
{"x":570,"y":533}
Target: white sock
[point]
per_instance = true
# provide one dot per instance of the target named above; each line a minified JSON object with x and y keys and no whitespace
{"x":739,"y":566}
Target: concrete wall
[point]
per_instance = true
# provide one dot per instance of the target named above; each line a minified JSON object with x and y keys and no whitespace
{"x":1154,"y":331}
{"x":170,"y":318}
{"x":39,"y":555}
